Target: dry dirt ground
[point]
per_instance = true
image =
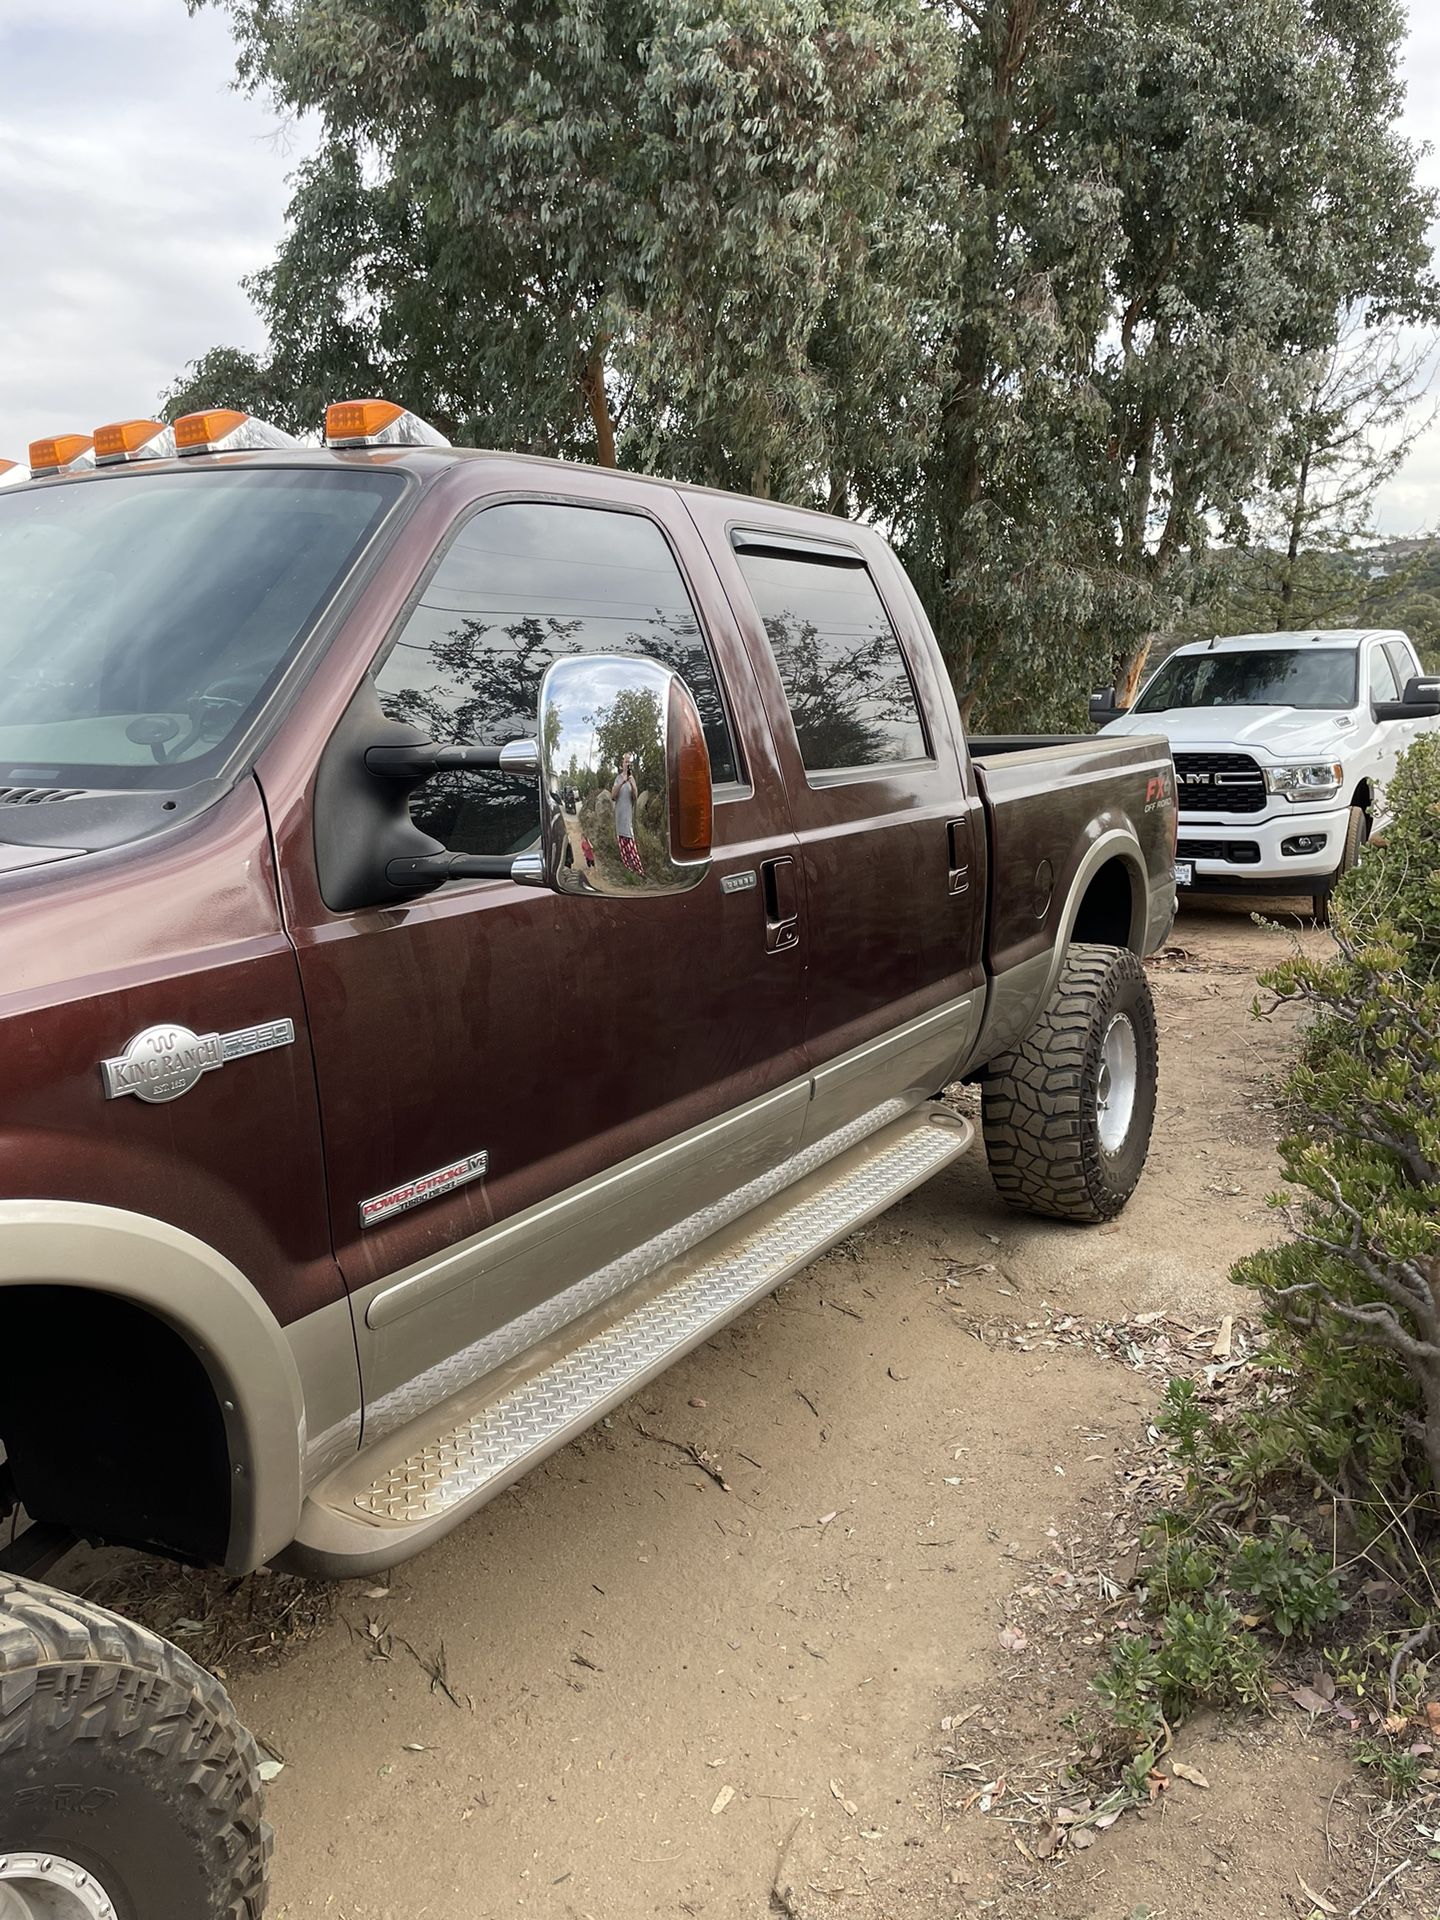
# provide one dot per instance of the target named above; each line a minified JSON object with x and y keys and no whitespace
{"x":625,"y":1690}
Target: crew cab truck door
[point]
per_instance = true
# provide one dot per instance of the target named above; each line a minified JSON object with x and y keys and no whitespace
{"x":517,"y":1086}
{"x":891,"y":843}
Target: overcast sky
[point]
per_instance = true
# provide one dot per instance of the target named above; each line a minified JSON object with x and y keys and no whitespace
{"x":136,"y":189}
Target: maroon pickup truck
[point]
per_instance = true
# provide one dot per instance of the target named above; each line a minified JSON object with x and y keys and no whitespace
{"x":469,"y":927}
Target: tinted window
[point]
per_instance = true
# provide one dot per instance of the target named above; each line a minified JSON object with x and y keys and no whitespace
{"x":844,"y":674}
{"x":1312,"y":677}
{"x":1382,"y":676}
{"x":144,"y":619}
{"x":521,"y":584}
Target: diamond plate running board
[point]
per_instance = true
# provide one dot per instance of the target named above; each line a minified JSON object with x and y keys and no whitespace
{"x":456,"y":1469}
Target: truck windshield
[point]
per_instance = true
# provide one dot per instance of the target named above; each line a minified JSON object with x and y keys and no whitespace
{"x":1312,"y":677}
{"x":144,"y":619}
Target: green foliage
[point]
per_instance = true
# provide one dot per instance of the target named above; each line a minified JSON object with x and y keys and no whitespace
{"x":1352,"y":1299}
{"x":1199,"y":1656}
{"x":1401,"y":1771}
{"x":1043,"y":287}
{"x":1284,"y":1574}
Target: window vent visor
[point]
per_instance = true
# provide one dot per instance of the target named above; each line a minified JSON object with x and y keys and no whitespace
{"x":795,"y":546}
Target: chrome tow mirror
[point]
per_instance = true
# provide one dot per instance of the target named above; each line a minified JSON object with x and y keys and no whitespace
{"x":625,"y":791}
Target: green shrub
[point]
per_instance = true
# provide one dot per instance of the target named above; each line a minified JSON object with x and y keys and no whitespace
{"x":1352,"y":1300}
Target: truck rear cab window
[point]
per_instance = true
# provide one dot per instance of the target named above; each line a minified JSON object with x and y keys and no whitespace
{"x":520,"y":584}
{"x":840,"y":662}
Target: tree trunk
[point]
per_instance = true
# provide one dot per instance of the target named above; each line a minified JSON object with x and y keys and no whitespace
{"x":1292,"y":551}
{"x":592,"y":383}
{"x":1127,"y":684}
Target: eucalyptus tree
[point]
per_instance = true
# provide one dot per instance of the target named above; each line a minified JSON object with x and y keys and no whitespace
{"x":628,"y":227}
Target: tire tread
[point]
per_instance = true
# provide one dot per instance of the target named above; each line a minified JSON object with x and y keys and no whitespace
{"x":123,"y":1684}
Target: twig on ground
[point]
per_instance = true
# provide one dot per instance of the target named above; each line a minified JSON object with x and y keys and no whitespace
{"x":1411,"y":1644}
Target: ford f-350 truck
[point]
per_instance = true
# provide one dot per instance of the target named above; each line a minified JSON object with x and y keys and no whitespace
{"x":469,"y":927}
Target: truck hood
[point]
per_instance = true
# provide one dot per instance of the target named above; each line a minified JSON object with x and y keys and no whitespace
{"x":1282,"y":732}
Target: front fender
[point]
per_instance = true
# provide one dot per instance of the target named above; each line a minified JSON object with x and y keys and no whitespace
{"x":214,"y":1308}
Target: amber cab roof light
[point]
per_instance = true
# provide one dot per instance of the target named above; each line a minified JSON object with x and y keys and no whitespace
{"x":12,"y":473}
{"x":227,"y":430}
{"x":133,"y":440}
{"x":61,"y":453}
{"x":378,"y":423}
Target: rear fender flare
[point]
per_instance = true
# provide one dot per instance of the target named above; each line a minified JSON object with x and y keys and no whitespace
{"x":215,"y":1309}
{"x":1115,"y":844}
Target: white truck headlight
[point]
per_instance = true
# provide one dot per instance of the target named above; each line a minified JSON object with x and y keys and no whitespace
{"x":1306,"y":783}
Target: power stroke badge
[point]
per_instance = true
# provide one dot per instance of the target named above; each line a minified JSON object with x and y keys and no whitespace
{"x":163,"y":1062}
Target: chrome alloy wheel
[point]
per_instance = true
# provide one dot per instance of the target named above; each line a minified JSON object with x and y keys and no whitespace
{"x":1115,"y":1093}
{"x":43,"y":1886}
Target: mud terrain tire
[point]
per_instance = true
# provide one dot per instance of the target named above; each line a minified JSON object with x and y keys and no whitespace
{"x":1067,"y":1115}
{"x":122,"y":1759}
{"x":1357,"y":832}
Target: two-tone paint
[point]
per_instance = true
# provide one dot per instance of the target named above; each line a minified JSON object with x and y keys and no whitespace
{"x":601,"y":1070}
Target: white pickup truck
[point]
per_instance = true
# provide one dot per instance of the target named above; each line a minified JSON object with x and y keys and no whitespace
{"x":1283,"y":744}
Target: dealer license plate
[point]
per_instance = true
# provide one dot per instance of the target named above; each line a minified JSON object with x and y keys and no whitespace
{"x":1184,"y":873}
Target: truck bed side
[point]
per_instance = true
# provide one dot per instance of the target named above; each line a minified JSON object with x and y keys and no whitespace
{"x":1082,"y":840}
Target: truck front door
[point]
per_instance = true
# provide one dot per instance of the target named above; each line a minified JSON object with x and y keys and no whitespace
{"x":517,"y":1087}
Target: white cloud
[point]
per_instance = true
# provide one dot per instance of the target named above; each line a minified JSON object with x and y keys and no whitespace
{"x":136,"y":189}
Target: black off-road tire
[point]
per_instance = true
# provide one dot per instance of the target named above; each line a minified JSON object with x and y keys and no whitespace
{"x":121,"y":1756}
{"x":1357,"y":832}
{"x":1042,"y":1102}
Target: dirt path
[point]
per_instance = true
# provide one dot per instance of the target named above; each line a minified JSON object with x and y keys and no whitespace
{"x":677,"y":1699}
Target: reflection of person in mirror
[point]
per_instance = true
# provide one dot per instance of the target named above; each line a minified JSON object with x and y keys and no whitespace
{"x":625,"y":794}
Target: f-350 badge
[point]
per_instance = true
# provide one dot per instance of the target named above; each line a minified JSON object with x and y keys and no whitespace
{"x":163,"y":1062}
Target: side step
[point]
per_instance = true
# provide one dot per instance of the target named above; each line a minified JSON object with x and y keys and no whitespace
{"x":410,"y":1487}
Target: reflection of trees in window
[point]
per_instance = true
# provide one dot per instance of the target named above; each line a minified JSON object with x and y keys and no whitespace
{"x":849,"y":694}
{"x":462,"y":678}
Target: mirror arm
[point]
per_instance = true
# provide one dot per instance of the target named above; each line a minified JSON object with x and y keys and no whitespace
{"x":427,"y":757}
{"x":425,"y":871}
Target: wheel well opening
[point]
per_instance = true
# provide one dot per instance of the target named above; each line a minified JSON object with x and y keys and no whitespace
{"x":1107,"y":912}
{"x":109,"y":1424}
{"x":1362,"y":797}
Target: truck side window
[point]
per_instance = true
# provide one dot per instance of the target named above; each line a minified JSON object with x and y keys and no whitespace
{"x":521,"y":583}
{"x":840,"y":661}
{"x":1382,"y":676}
{"x":1402,"y":661}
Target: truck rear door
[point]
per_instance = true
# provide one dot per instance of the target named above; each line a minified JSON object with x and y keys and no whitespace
{"x":891,"y":838}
